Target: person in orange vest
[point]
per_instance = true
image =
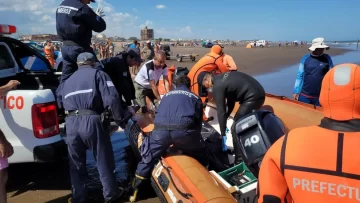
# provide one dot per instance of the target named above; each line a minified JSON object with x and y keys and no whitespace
{"x":319,"y":163}
{"x":211,"y":62}
{"x":229,"y":62}
{"x":49,"y":53}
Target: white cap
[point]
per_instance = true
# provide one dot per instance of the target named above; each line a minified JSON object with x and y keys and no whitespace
{"x":148,"y":42}
{"x":318,"y":43}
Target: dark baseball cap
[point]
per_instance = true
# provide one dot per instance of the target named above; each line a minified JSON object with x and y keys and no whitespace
{"x":135,"y":53}
{"x":86,"y":57}
{"x":92,"y":1}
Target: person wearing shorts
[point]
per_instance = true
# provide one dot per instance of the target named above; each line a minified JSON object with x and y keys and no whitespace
{"x":6,"y":149}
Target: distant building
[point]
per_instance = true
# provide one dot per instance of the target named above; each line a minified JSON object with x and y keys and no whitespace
{"x":147,"y":34}
{"x":41,"y":37}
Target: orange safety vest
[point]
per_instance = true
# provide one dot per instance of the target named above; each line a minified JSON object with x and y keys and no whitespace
{"x":313,"y":164}
{"x":229,"y":62}
{"x":209,"y":63}
{"x":161,"y":84}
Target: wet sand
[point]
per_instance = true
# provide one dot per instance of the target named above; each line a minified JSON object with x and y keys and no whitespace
{"x":49,"y":182}
{"x":253,"y":61}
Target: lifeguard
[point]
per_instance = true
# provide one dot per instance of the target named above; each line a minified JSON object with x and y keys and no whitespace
{"x":211,"y":62}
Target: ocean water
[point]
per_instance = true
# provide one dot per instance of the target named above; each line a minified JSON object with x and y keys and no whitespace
{"x":282,"y":82}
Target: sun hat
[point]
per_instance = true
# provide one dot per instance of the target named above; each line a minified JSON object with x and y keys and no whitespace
{"x":318,"y":43}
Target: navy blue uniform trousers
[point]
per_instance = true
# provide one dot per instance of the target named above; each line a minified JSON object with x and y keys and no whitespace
{"x":189,"y":142}
{"x":69,"y":55}
{"x":86,"y":132}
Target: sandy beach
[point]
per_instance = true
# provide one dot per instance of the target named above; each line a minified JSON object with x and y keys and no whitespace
{"x":252,"y":61}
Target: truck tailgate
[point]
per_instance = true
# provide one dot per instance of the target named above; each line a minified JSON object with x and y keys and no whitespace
{"x":17,"y":125}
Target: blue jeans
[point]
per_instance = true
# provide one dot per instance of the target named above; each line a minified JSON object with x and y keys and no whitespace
{"x":309,"y":100}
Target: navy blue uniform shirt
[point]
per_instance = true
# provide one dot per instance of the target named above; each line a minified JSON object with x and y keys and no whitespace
{"x":90,"y":88}
{"x":180,"y":107}
{"x":117,"y":68}
{"x":75,"y":22}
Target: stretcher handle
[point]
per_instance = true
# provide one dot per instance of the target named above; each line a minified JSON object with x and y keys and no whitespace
{"x":231,"y":172}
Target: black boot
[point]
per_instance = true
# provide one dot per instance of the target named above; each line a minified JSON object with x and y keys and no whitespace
{"x":138,"y":180}
{"x":236,"y":145}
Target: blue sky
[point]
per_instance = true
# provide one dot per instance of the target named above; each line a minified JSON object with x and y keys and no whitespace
{"x":226,"y":19}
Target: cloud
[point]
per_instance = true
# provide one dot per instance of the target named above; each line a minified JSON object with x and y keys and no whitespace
{"x":184,"y":32}
{"x":147,"y":23}
{"x":186,"y":29}
{"x":38,"y":16}
{"x":160,"y":6}
{"x":29,"y":7}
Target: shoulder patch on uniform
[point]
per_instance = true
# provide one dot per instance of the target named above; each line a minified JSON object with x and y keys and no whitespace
{"x":109,"y":83}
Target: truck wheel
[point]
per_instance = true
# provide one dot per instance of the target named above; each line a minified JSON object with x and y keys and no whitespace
{"x":193,"y":58}
{"x":261,"y":46}
{"x":179,"y":59}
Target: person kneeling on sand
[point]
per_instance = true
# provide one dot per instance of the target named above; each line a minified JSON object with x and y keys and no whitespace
{"x":146,"y":81}
{"x":312,"y":70}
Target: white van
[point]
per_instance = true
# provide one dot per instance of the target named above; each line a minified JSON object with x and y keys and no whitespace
{"x":259,"y":43}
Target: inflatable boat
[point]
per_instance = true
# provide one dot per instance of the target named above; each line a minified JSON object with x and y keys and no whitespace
{"x":293,"y":114}
{"x":180,"y":178}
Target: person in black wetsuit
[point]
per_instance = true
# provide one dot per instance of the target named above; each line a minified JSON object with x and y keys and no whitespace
{"x":228,"y":88}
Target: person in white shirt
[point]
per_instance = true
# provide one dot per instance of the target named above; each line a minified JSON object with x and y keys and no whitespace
{"x":146,"y":80}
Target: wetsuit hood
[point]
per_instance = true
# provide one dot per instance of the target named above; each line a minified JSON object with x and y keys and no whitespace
{"x":340,"y":93}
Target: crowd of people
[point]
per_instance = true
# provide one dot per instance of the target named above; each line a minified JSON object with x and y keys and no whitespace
{"x":289,"y":171}
{"x":104,"y":50}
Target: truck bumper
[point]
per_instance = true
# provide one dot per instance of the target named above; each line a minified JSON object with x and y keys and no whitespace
{"x":51,"y":152}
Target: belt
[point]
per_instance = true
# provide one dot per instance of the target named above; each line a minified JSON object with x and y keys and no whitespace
{"x":81,"y":112}
{"x":173,"y":127}
{"x":141,"y":85}
{"x":70,"y":43}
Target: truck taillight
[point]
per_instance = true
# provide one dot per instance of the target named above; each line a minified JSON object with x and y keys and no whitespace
{"x":45,"y":120}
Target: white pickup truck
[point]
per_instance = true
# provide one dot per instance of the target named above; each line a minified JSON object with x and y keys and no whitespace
{"x":28,"y":115}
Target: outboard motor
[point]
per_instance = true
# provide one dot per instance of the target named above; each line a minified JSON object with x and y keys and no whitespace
{"x":257,"y":131}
